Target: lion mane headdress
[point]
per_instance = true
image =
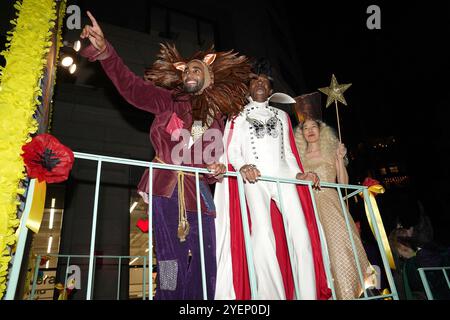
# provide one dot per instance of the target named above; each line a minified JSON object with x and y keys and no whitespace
{"x":226,"y":80}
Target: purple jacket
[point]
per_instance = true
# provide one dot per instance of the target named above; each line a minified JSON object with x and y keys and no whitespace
{"x":161,"y":103}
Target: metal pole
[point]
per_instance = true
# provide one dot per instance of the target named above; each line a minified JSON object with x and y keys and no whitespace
{"x":352,"y":241}
{"x":446,"y":277}
{"x":144,"y":270}
{"x":200,"y":236}
{"x":118,"y":279}
{"x":36,"y":272}
{"x":425,"y":284}
{"x":247,"y":239}
{"x":323,"y":244}
{"x":352,"y":194}
{"x":93,"y":273}
{"x":150,"y":232}
{"x":289,"y":242}
{"x":65,"y":276}
{"x":18,"y":256}
{"x":94,"y":227}
{"x":380,"y":245}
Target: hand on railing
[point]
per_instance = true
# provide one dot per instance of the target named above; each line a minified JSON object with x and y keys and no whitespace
{"x":250,"y":173}
{"x":217,"y":170}
{"x":310,"y":176}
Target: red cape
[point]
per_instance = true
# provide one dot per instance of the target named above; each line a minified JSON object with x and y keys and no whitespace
{"x":239,"y":258}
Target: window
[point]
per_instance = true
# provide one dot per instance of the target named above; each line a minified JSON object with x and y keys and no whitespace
{"x":393,"y":169}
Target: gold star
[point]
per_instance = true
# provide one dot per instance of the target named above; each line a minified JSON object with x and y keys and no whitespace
{"x":335,"y":91}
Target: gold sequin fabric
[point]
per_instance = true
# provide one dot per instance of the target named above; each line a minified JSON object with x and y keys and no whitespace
{"x":346,"y":278}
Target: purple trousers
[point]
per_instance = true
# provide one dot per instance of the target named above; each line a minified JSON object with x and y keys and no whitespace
{"x":178,"y":263}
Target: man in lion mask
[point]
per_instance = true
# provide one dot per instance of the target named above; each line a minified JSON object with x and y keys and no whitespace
{"x":189,"y":98}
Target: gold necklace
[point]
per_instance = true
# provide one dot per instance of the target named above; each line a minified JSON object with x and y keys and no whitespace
{"x":198,"y":130}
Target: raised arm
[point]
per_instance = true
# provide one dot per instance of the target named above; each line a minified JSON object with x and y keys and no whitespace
{"x":141,"y":94}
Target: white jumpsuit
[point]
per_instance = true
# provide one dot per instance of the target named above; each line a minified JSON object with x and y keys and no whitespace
{"x":261,"y":137}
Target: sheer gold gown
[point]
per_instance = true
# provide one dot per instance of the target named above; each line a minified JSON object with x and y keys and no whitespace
{"x":346,"y":279}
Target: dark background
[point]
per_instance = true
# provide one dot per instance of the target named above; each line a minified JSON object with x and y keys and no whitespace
{"x":397,"y":104}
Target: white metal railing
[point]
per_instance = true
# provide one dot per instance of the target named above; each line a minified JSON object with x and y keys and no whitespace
{"x":356,"y":189}
{"x":425,"y":282}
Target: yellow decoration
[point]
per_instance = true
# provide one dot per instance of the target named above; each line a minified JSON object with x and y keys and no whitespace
{"x":335,"y":91}
{"x":62,"y":292}
{"x":183,"y":223}
{"x":37,"y":206}
{"x":59,"y":44}
{"x":386,"y":292}
{"x":374,"y":190}
{"x":65,"y":292}
{"x":26,"y":49}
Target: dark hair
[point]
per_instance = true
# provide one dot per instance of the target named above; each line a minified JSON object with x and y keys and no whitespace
{"x":263,"y":66}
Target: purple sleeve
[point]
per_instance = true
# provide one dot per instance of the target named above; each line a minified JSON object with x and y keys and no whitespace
{"x":141,"y":94}
{"x":217,"y":146}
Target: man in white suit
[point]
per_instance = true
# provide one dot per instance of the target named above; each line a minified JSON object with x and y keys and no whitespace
{"x":258,"y":142}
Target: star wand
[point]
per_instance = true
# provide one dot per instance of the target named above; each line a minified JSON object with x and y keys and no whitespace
{"x":335,"y":93}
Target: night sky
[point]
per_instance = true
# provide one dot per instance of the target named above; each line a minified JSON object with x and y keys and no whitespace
{"x":397,"y":72}
{"x":400,"y":88}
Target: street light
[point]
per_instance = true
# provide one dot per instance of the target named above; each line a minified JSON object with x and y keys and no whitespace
{"x":75,"y":45}
{"x":67,"y":61}
{"x":72,"y":68}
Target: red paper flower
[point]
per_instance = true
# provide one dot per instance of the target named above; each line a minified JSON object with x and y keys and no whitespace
{"x":368,"y":182}
{"x":143,"y":225}
{"x":47,"y":159}
{"x":44,"y":260}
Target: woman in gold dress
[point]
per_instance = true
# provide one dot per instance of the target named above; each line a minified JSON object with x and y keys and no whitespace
{"x":321,"y":153}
